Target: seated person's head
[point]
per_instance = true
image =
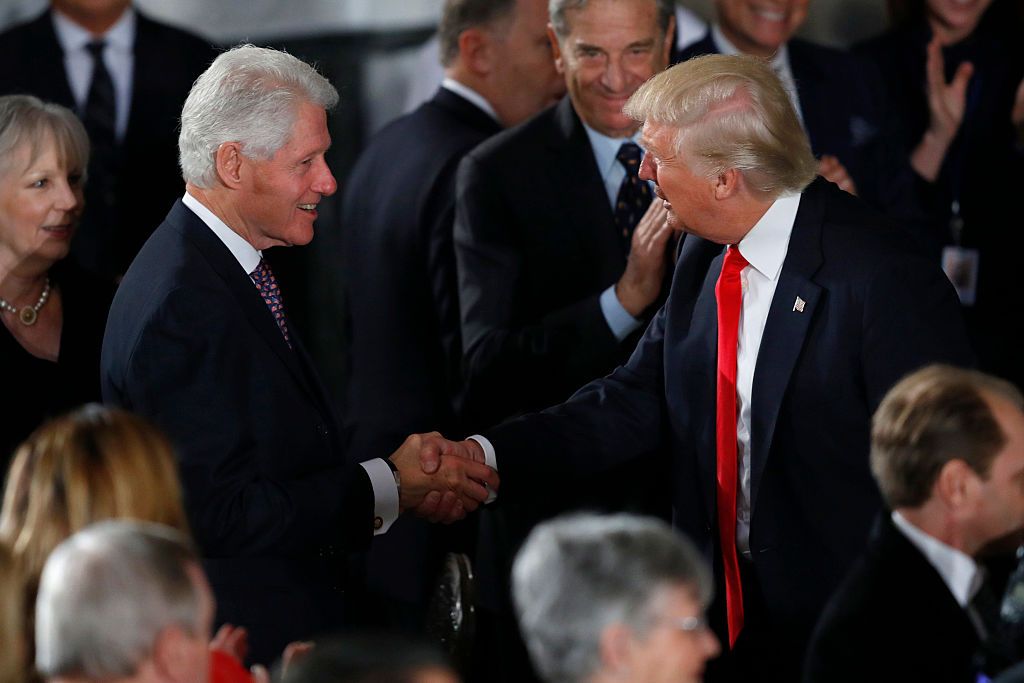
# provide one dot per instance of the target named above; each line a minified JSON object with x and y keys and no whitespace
{"x":126,"y":601}
{"x":370,"y":659}
{"x":947,"y":451}
{"x":95,"y":463}
{"x":618,"y":597}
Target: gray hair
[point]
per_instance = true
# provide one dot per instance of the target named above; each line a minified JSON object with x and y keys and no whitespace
{"x":105,"y":595}
{"x":25,"y":119}
{"x":557,"y":10}
{"x":461,"y":15}
{"x":578,"y":574}
{"x":732,"y":112}
{"x":248,"y":95}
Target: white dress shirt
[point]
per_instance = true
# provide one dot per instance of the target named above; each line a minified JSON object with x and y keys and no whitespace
{"x":764,"y":248}
{"x":385,"y":492}
{"x":118,"y":57}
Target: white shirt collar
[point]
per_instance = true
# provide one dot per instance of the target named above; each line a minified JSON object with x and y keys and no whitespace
{"x":72,"y":36}
{"x":779,"y":61}
{"x":958,"y":570}
{"x":606,"y":149}
{"x":765,"y":246}
{"x":246,"y":255}
{"x":464,"y":91}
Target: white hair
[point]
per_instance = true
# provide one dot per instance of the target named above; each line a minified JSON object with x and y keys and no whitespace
{"x":248,"y":95}
{"x":580,"y":573}
{"x":105,"y":595}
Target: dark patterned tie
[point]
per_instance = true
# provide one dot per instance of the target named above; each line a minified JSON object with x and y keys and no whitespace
{"x":100,"y":116}
{"x":265,"y":281}
{"x":634,"y":194}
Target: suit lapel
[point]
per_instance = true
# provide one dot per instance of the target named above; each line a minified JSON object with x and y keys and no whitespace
{"x":819,"y":115}
{"x":572,"y":164}
{"x":789,"y":318}
{"x":242,"y":288}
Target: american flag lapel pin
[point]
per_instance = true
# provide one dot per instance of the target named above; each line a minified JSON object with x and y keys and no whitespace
{"x":799,"y":304}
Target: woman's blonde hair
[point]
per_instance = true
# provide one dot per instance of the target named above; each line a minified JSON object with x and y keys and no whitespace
{"x":13,"y":652}
{"x":92,"y":464}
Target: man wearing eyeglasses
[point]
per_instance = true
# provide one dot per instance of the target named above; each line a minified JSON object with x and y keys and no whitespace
{"x":618,"y":597}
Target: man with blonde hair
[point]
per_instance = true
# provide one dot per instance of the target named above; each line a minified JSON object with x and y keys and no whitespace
{"x":793,"y":309}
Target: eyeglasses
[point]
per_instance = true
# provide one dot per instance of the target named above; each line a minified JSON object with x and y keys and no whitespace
{"x":689,"y":624}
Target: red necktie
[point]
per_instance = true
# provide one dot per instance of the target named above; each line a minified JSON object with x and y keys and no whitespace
{"x":729,"y":295}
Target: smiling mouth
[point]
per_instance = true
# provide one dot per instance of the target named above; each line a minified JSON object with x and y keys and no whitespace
{"x":770,"y":15}
{"x":308,"y":207}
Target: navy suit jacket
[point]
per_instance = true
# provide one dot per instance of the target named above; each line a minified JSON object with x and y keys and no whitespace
{"x":894,"y":620}
{"x":121,"y":211}
{"x":845,"y":113}
{"x":873,"y":311}
{"x":536,"y":244}
{"x":191,"y":345}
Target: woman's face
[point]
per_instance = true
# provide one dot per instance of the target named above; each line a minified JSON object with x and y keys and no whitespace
{"x":40,"y":204}
{"x":955,"y":19}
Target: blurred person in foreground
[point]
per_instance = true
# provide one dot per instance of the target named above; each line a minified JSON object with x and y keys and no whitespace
{"x":53,"y":312}
{"x":368,"y":658}
{"x":93,"y":464}
{"x":947,"y":450}
{"x":199,"y":340}
{"x":398,"y":264}
{"x":793,"y":309}
{"x":614,"y":598}
{"x":125,"y":601}
{"x":13,"y":645}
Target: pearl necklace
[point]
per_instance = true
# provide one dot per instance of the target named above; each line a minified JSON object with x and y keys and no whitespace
{"x":29,"y":314}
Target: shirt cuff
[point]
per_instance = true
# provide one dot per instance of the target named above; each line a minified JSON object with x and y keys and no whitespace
{"x":385,"y":495}
{"x":491,"y":460}
{"x":618,"y":318}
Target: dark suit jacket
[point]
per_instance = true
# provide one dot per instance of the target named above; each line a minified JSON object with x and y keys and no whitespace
{"x":121,"y":211}
{"x":843,"y":104}
{"x":873,"y":311}
{"x":191,"y":345}
{"x":892,"y":619}
{"x":398,"y":263}
{"x":536,"y":244}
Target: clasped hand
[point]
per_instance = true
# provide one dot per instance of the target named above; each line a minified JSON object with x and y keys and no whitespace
{"x":442,"y":480}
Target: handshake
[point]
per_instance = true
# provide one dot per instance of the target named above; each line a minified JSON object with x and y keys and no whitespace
{"x":442,"y":480}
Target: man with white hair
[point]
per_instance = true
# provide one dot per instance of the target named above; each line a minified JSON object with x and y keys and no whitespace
{"x":607,"y":598}
{"x":124,"y":601}
{"x":199,"y":340}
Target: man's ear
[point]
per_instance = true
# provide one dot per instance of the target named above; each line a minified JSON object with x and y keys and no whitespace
{"x":476,"y":52}
{"x":616,"y":649}
{"x":954,"y":484}
{"x":556,"y":50}
{"x":670,"y":39}
{"x":228,"y":162}
{"x":727,"y":184}
{"x":172,"y":653}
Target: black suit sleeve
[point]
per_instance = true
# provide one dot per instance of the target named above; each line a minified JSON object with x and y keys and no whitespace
{"x":259,"y":473}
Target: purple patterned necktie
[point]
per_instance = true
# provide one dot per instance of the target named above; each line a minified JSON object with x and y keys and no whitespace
{"x":265,"y":281}
{"x":634,"y":194}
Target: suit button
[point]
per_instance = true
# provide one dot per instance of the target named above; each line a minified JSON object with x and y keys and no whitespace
{"x":378,"y":522}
